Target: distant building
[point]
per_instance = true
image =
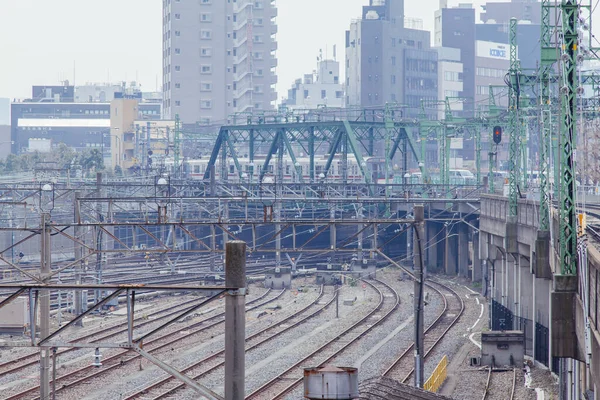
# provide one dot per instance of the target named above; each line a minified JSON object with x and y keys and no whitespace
{"x":450,"y":79}
{"x":107,"y":92}
{"x":218,"y":59}
{"x":522,"y":10}
{"x":4,"y":141}
{"x":51,"y":116}
{"x":492,"y":63}
{"x":4,"y":111}
{"x":321,"y":88}
{"x":455,"y":28}
{"x":389,"y":60}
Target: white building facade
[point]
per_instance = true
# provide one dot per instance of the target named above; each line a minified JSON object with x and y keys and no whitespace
{"x":322,"y":88}
{"x":450,"y":79}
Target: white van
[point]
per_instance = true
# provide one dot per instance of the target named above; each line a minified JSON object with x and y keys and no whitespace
{"x":461,"y":177}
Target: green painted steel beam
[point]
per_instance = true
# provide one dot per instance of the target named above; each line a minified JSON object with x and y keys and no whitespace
{"x":354,"y":145}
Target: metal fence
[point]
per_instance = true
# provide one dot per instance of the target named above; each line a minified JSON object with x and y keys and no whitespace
{"x":438,"y":376}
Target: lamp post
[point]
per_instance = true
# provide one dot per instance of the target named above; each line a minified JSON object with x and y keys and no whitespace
{"x":114,"y":160}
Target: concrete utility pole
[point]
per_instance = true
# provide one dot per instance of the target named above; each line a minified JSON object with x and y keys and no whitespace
{"x":45,"y":260}
{"x":235,"y":320}
{"x":419,"y":213}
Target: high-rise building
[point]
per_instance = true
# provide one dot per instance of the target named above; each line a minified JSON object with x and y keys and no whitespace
{"x":455,"y":28}
{"x":389,"y":60}
{"x":218,"y":58}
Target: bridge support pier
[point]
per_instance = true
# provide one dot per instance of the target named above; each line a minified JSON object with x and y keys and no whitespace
{"x":476,"y":272}
{"x":563,"y":329}
{"x":451,"y":251}
{"x":463,"y":250}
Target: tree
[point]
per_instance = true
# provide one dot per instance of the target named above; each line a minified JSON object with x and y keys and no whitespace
{"x":91,"y":159}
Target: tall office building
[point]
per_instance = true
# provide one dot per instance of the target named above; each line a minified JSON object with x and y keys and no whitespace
{"x":218,"y":58}
{"x":389,"y":60}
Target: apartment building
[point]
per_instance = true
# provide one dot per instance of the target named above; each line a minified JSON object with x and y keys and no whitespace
{"x":218,"y":59}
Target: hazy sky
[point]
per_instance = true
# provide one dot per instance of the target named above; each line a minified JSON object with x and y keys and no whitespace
{"x":45,"y":42}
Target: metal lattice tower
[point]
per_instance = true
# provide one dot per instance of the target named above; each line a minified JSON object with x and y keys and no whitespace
{"x":513,"y":124}
{"x":568,"y":139}
{"x":548,"y":57}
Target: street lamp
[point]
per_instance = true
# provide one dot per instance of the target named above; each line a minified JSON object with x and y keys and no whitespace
{"x":162,"y":190}
{"x":116,"y":136}
{"x":46,"y":197}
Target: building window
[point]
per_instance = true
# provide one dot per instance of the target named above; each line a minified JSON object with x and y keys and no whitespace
{"x":323,"y":94}
{"x":205,"y":34}
{"x":177,"y":68}
{"x":177,"y":51}
{"x":339,"y":94}
{"x":177,"y":33}
{"x":177,"y":103}
{"x":177,"y":16}
{"x":205,"y":69}
{"x":306,"y":94}
{"x":177,"y":85}
{"x":205,"y":17}
{"x":205,"y":104}
{"x":393,"y":60}
{"x":205,"y":87}
{"x":205,"y":52}
{"x":393,"y":80}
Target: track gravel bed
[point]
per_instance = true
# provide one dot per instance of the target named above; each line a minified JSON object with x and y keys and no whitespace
{"x":180,"y":358}
{"x":78,"y":363}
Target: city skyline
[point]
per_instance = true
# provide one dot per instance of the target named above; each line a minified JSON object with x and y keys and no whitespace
{"x":97,"y":52}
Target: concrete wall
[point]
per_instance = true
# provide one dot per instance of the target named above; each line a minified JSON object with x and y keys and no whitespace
{"x":542,"y":299}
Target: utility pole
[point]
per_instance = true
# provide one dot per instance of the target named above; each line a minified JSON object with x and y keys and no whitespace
{"x":99,"y":237}
{"x":45,"y":262}
{"x":235,"y":320}
{"x":419,"y":213}
{"x":78,"y":251}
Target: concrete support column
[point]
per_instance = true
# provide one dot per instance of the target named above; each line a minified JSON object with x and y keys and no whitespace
{"x":463,"y":250}
{"x":477,"y":273}
{"x":451,"y":251}
{"x":503,"y":281}
{"x":516,"y":285}
{"x":433,"y":236}
{"x":235,"y":320}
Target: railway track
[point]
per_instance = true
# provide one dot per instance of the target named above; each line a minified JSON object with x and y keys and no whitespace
{"x":148,"y":319}
{"x":496,"y":388}
{"x":168,"y":386}
{"x":83,"y":375}
{"x":289,"y":379}
{"x":403,"y":367}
